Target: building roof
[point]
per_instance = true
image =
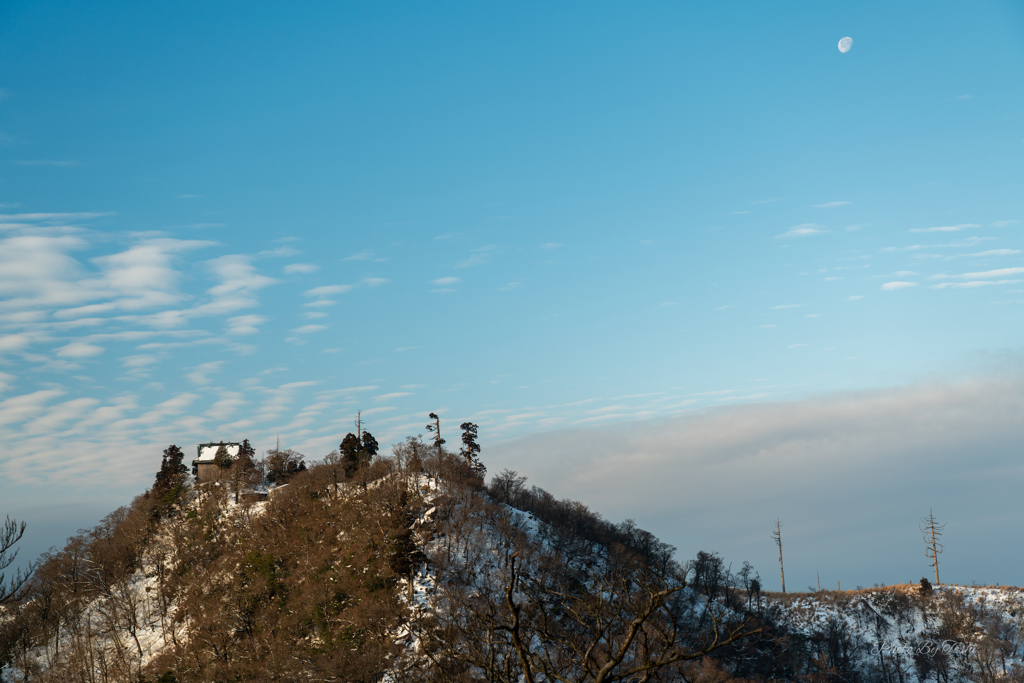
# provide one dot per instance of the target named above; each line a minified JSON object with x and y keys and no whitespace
{"x":208,"y":451}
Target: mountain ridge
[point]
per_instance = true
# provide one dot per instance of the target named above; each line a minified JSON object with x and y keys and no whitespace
{"x":410,"y":569}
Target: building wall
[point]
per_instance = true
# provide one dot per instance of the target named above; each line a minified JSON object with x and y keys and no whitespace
{"x":209,"y":472}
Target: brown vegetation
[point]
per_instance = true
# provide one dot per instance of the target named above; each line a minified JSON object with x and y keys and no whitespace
{"x":409,"y":566}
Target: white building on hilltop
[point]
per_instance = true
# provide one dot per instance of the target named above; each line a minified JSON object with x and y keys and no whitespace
{"x":204,"y":468}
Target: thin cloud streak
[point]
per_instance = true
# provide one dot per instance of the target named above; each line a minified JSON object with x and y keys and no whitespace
{"x":803,"y":230}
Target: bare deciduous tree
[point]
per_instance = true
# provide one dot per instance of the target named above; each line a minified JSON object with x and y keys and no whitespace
{"x":777,"y":537}
{"x":10,"y":535}
{"x":563,"y":609}
{"x":932,"y":530}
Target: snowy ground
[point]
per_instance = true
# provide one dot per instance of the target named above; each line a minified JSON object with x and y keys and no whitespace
{"x":896,"y":625}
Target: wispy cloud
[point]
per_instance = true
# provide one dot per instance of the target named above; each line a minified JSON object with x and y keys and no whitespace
{"x":830,"y":205}
{"x":239,"y":283}
{"x":245,"y":324}
{"x":65,"y":163}
{"x":996,"y":252}
{"x":973,"y":284}
{"x":328,"y":290}
{"x":76,"y":216}
{"x":912,"y":247}
{"x":479,"y":256}
{"x":39,"y":272}
{"x":228,"y":403}
{"x":474,"y":260}
{"x":301,"y":268}
{"x":309,"y":329}
{"x":14,"y":342}
{"x":200,"y":373}
{"x":446,"y":281}
{"x":388,"y":397}
{"x":981,"y":275}
{"x":279,"y":252}
{"x":79,"y":350}
{"x":803,"y":230}
{"x":138,"y":362}
{"x":890,"y":286}
{"x":1004,"y":224}
{"x":947,"y":228}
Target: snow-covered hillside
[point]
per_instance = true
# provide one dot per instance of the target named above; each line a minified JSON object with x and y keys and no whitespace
{"x":416,"y":573}
{"x":906,"y":633}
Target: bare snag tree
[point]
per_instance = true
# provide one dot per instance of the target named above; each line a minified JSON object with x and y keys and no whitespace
{"x":777,"y":537}
{"x":932,"y":549}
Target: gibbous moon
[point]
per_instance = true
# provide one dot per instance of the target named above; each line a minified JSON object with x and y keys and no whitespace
{"x":845,"y":44}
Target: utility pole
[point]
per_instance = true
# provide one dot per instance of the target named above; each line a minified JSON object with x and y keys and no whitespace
{"x":359,"y":425}
{"x":818,"y":574}
{"x":932,"y":548}
{"x":777,"y":537}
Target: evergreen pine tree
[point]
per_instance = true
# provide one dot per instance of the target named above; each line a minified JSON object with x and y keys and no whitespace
{"x":244,"y":469}
{"x":245,"y":461}
{"x":221,"y":458}
{"x":435,"y":429}
{"x":171,"y":476}
{"x":247,"y":451}
{"x":369,"y":449}
{"x":281,"y":465}
{"x":350,"y":451}
{"x":470,"y":447}
{"x":171,"y":468}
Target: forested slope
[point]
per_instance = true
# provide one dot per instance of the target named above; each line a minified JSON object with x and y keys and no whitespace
{"x":408,"y":568}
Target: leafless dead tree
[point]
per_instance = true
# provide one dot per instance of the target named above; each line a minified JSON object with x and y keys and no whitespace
{"x":932,"y":530}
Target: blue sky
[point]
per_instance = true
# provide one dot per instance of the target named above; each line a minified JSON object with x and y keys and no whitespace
{"x":249,"y":220}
